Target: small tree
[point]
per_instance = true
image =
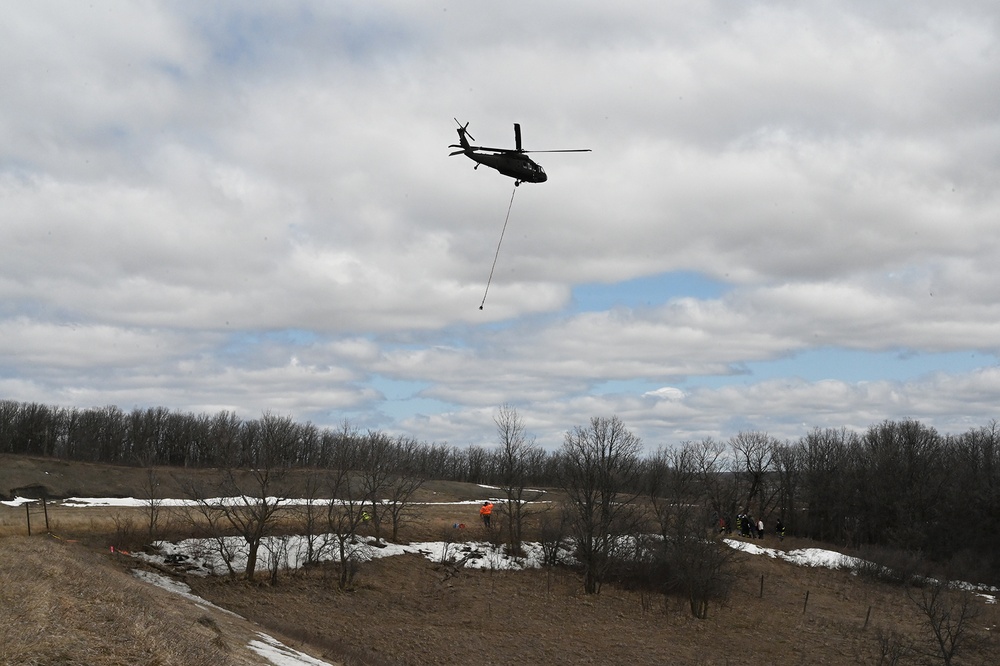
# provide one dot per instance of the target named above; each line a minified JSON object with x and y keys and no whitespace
{"x":672,"y":483}
{"x":345,"y":515}
{"x":250,"y":501}
{"x":401,"y":486}
{"x":892,"y":647}
{"x":702,"y":567}
{"x":553,"y":534}
{"x":708,"y":458}
{"x":151,"y":500}
{"x":694,"y":561}
{"x":376,"y":472}
{"x":753,"y":462}
{"x":601,"y":477}
{"x":515,"y":458}
{"x":312,"y":515}
{"x":399,"y":499}
{"x":251,"y":509}
{"x":208,"y":518}
{"x":949,"y":615}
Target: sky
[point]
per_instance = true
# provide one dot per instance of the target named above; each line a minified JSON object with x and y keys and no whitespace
{"x":787,"y":220}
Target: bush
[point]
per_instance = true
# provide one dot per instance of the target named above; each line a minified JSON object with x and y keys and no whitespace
{"x":888,"y":565}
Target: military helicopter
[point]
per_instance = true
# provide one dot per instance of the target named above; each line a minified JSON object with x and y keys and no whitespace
{"x":510,"y":162}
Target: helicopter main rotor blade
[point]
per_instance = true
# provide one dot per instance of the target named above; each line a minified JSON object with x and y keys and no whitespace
{"x":568,"y":150}
{"x":492,"y":150}
{"x":465,"y":149}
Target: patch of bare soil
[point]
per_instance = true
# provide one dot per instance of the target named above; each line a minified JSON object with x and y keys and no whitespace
{"x":409,"y":610}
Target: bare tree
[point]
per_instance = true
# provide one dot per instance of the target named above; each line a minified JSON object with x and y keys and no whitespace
{"x":691,"y":559}
{"x":892,"y":647}
{"x":207,"y":518}
{"x":399,"y":499}
{"x":673,"y":492}
{"x":250,"y":500}
{"x":708,"y":457}
{"x":311,"y":517}
{"x":753,"y":461}
{"x":376,"y":471}
{"x":252,"y":508}
{"x":788,"y":468}
{"x":949,"y":616}
{"x":515,"y":458}
{"x":825,"y":458}
{"x":601,"y":477}
{"x":151,"y":500}
{"x":345,"y":515}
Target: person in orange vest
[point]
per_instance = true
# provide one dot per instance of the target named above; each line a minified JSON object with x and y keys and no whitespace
{"x":485,"y":511}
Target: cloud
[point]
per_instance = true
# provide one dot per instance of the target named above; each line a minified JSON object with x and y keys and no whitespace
{"x":252,"y":208}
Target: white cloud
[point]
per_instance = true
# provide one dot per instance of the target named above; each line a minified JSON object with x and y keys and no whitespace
{"x":193,"y":196}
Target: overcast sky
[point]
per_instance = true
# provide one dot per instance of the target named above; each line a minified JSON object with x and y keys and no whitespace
{"x":788,"y":220}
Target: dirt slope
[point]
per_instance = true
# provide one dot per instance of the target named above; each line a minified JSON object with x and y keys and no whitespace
{"x":63,"y":604}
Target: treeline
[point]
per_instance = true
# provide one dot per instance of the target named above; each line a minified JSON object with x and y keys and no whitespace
{"x":899,"y":484}
{"x":160,"y":437}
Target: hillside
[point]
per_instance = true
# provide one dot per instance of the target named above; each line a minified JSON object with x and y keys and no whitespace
{"x":63,"y":604}
{"x":409,"y":610}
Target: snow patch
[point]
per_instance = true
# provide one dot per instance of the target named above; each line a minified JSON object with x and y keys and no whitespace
{"x":807,"y":557}
{"x":177,"y":587}
{"x":204,"y":557}
{"x":270,"y":648}
{"x":280,"y":654}
{"x":18,"y":501}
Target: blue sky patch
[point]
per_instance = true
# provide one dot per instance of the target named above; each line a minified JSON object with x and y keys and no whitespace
{"x":648,"y":291}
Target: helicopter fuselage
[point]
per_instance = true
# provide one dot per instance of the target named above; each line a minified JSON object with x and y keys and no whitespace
{"x":514,"y":165}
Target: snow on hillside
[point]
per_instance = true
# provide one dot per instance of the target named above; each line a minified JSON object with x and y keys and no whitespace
{"x":270,"y":648}
{"x":206,"y":556}
{"x":280,"y":654}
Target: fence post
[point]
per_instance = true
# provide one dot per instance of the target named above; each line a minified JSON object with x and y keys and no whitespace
{"x":27,"y":513}
{"x":804,"y":605}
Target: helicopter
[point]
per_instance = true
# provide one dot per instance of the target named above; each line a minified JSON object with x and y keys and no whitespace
{"x":510,"y":162}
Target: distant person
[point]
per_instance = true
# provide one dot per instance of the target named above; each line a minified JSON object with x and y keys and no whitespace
{"x":760,"y":529}
{"x":779,"y":529}
{"x":485,"y":511}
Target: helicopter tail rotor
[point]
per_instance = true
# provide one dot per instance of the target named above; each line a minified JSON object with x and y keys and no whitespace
{"x":463,"y":130}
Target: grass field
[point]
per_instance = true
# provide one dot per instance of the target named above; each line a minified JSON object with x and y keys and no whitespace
{"x":70,"y":601}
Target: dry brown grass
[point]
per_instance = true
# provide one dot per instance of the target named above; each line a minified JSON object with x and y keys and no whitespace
{"x":64,"y":604}
{"x":408,"y":610}
{"x":61,"y":603}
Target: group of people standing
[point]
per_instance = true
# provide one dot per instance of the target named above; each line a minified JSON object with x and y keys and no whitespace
{"x":748,"y":527}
